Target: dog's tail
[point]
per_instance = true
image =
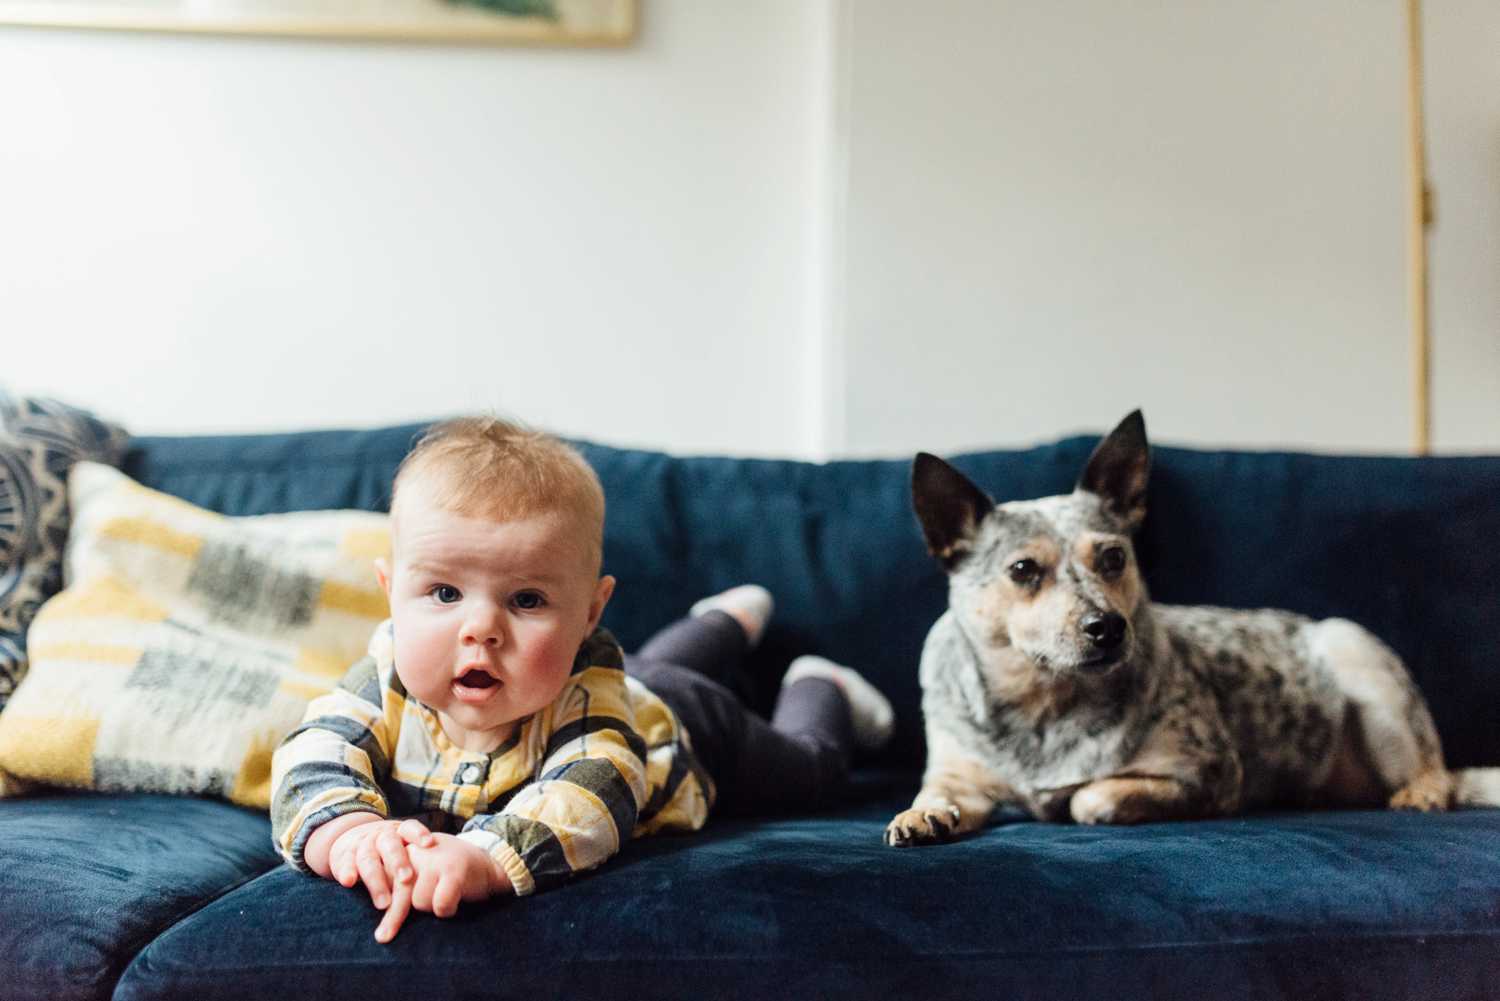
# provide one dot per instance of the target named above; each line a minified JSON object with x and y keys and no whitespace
{"x":1476,"y":787}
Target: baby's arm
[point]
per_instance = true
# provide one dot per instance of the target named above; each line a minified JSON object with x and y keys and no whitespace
{"x":318,"y":850}
{"x":325,"y":777}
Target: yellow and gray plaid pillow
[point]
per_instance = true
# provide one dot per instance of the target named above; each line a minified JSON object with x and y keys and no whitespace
{"x":186,"y":643}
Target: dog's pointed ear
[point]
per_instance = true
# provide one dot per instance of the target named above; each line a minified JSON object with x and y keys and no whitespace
{"x":949,"y":507}
{"x":1118,"y":470}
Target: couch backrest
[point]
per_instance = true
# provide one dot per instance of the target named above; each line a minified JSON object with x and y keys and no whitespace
{"x":1408,"y":547}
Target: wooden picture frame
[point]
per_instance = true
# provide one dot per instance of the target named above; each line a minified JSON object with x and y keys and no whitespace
{"x":513,"y":22}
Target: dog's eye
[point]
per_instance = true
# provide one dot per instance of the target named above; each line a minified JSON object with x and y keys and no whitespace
{"x":1024,"y":572}
{"x":1112,"y":561}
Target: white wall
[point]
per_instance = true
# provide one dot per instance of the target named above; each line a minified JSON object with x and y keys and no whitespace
{"x":786,"y":228}
{"x":231,"y":233}
{"x":1060,"y":211}
{"x":1463,"y":111}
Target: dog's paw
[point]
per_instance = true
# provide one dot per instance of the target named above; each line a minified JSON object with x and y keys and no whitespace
{"x":1095,"y":804}
{"x":927,"y":826}
{"x":1429,"y":792}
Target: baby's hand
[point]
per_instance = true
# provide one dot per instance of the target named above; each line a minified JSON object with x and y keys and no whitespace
{"x":375,"y":853}
{"x":448,"y":870}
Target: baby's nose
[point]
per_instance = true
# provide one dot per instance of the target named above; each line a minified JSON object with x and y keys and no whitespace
{"x":483,"y":626}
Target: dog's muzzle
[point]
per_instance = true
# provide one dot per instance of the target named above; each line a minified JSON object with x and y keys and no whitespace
{"x":1106,"y":633}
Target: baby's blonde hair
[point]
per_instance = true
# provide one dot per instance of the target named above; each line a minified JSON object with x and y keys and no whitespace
{"x":485,"y":467}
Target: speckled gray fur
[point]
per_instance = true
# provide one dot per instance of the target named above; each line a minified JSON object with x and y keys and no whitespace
{"x":1214,"y":710}
{"x":1256,"y":712}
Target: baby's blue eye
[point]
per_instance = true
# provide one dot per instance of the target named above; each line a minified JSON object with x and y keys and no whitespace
{"x":529,"y":601}
{"x":445,"y":593}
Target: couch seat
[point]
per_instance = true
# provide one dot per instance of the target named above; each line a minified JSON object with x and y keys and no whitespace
{"x":1365,"y":904}
{"x":88,"y":880}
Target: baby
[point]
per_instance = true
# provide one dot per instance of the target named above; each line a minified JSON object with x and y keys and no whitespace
{"x":493,"y":714}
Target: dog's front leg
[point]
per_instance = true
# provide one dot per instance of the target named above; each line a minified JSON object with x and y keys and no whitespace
{"x":1185,"y":771}
{"x":1135,"y":800}
{"x":958,"y":795}
{"x":956,"y":798}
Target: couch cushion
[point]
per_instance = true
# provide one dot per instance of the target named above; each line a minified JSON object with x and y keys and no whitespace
{"x":187,"y":644}
{"x":275,"y":473}
{"x":1400,"y":545}
{"x":1364,"y":905}
{"x":87,"y":880}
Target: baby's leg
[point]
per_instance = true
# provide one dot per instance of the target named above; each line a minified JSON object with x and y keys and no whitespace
{"x":795,"y":763}
{"x":717,"y":634}
{"x":712,"y":644}
{"x":801,"y":760}
{"x":749,"y":604}
{"x":870,"y":712}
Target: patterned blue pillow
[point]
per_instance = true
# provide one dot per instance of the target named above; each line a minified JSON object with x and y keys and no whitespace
{"x":39,"y":442}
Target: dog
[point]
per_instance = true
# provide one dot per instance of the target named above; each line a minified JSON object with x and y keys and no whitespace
{"x":1053,"y":681}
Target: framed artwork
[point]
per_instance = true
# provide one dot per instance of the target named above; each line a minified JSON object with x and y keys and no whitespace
{"x":522,"y":22}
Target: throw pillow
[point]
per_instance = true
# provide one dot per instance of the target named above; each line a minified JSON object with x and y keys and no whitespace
{"x":39,"y":442}
{"x":186,"y":643}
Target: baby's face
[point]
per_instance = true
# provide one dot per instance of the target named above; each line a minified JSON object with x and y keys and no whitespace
{"x":488,"y":616}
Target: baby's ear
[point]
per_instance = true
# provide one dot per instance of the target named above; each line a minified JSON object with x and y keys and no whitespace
{"x":602,"y":592}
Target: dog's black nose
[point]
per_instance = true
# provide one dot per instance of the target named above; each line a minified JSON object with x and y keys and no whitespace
{"x":1105,"y":630}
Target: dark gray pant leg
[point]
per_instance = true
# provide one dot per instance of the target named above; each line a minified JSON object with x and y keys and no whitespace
{"x":796,"y":763}
{"x":713,"y":644}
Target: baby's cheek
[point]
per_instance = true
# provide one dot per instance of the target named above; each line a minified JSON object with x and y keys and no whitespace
{"x":553,"y":666}
{"x":559,"y":664}
{"x":417,"y":662}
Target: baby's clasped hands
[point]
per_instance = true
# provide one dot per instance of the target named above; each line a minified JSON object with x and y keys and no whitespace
{"x":406,"y":867}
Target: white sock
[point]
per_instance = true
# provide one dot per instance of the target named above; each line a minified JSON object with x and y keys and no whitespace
{"x":750,"y":604}
{"x":870,"y":711}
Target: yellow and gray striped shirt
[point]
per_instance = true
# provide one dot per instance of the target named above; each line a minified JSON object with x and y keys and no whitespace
{"x":607,"y":760}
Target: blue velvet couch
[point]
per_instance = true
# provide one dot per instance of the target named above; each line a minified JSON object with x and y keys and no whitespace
{"x":138,"y":897}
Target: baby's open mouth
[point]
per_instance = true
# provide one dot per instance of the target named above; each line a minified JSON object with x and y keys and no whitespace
{"x":475,"y":678}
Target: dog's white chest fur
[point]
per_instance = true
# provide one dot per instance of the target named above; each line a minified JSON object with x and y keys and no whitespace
{"x":1063,"y":757}
{"x":1035,"y":752}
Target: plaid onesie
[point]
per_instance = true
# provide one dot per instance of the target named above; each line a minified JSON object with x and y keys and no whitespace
{"x":606,"y":761}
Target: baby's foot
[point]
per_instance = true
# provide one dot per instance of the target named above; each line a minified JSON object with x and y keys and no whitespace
{"x":749,"y":604}
{"x":870,"y":711}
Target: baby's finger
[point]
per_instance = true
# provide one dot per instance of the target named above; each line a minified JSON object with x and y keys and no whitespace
{"x":423,"y":888}
{"x":414,"y":832}
{"x":395,"y":915}
{"x":372,"y":871}
{"x":341,"y":867}
{"x":393,"y":855}
{"x":445,"y":898}
{"x":341,"y":858}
